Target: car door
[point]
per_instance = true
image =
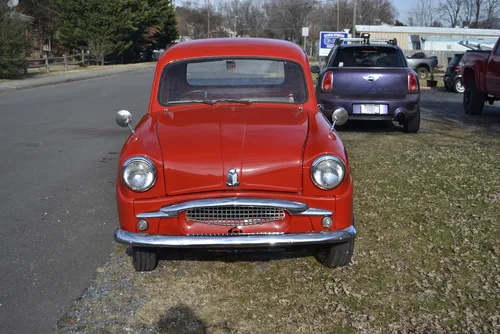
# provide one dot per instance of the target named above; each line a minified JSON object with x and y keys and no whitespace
{"x":493,"y":72}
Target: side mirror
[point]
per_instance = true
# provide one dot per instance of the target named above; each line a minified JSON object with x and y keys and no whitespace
{"x":315,"y":69}
{"x":124,"y":119}
{"x":339,"y":117}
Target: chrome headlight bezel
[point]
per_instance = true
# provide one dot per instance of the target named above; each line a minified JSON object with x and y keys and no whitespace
{"x":147,"y":162}
{"x":321,"y":159}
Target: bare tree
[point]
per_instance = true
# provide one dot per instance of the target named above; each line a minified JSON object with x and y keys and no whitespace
{"x":452,"y":9}
{"x":477,"y":9}
{"x":492,"y":10}
{"x":422,"y":13}
{"x":467,"y":12}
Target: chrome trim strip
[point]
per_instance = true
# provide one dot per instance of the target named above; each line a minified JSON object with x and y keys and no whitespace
{"x":315,"y":212}
{"x":293,"y":208}
{"x":233,"y":241}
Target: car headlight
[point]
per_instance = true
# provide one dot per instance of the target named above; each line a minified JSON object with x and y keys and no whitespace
{"x":327,"y":172}
{"x":139,"y":173}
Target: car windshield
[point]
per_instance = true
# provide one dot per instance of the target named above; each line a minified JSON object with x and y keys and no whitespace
{"x":369,"y":56}
{"x":232,"y":80}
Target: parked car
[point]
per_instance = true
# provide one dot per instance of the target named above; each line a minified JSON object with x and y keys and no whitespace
{"x":234,"y":153}
{"x":481,"y":78}
{"x":453,"y":75}
{"x":371,"y":82}
{"x":422,"y":64}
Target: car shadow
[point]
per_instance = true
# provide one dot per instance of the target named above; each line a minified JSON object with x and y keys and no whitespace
{"x":234,"y":255}
{"x":447,"y":108}
{"x":386,"y":127}
{"x":181,"y":319}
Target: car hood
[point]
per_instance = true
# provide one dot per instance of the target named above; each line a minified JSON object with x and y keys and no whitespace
{"x":264,"y":144}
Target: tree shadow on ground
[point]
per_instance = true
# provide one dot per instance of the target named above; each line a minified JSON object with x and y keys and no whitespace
{"x":386,"y":127}
{"x":181,"y":319}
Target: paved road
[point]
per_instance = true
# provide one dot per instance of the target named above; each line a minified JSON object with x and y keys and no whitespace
{"x":58,"y":149}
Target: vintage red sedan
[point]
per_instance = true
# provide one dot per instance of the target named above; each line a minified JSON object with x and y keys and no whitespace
{"x":234,"y":153}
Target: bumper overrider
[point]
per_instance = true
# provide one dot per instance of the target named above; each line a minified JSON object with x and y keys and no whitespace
{"x":235,"y":240}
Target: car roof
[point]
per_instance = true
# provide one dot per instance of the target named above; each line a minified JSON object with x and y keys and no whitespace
{"x":234,"y":47}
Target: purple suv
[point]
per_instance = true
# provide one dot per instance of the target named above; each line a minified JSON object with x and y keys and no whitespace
{"x":371,"y":82}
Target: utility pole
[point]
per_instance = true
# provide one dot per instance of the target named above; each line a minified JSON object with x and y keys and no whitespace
{"x":235,"y":21}
{"x":338,"y":15}
{"x":354,"y":20}
{"x":208,"y":19}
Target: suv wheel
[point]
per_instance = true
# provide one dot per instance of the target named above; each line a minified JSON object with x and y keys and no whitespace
{"x":458,"y":87}
{"x":473,"y":99}
{"x":422,"y":72}
{"x":336,"y":255}
{"x":144,"y":258}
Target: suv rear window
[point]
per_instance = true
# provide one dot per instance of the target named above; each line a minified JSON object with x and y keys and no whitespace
{"x":454,"y":61}
{"x":368,"y":56}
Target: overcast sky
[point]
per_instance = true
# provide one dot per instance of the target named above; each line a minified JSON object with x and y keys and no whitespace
{"x":402,"y":6}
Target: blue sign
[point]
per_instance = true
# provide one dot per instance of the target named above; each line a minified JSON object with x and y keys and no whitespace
{"x":327,"y":40}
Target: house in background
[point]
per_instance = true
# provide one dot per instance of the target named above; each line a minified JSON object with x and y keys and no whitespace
{"x":430,"y":38}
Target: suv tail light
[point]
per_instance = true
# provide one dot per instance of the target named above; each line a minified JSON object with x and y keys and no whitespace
{"x":412,"y":83}
{"x":327,"y":82}
{"x":458,"y":68}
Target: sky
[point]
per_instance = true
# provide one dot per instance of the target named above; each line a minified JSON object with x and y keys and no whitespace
{"x":402,"y":7}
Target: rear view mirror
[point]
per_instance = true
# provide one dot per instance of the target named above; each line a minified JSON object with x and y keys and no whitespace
{"x":315,"y":69}
{"x":124,"y":119}
{"x":230,"y":64}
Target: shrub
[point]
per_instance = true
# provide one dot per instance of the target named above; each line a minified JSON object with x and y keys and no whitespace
{"x":13,"y":43}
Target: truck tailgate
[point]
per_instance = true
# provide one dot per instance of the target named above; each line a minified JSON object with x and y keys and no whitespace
{"x":369,"y":83}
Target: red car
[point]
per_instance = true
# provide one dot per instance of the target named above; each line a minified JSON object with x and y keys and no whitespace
{"x":234,"y":153}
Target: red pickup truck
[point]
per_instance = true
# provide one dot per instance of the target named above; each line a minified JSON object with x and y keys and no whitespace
{"x":481,"y":79}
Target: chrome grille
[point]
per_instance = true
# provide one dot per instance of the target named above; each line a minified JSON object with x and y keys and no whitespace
{"x":235,"y":215}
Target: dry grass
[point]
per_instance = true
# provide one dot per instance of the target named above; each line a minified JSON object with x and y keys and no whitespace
{"x":427,"y":258}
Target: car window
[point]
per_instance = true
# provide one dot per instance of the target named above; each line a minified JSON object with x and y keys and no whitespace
{"x":368,"y":56}
{"x":454,"y":61}
{"x":498,"y":49}
{"x":258,"y":80}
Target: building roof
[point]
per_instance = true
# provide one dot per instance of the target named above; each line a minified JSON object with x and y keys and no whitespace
{"x":428,"y":30}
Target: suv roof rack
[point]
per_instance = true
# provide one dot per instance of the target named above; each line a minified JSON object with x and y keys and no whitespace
{"x":474,"y":46}
{"x":365,"y":39}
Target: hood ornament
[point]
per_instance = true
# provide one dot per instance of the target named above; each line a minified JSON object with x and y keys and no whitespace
{"x":232,"y":178}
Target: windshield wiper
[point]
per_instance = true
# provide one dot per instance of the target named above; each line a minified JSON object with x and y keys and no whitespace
{"x":192,"y":101}
{"x":213,"y":102}
{"x":229,"y":101}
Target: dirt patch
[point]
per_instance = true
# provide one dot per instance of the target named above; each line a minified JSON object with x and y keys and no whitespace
{"x":427,"y":259}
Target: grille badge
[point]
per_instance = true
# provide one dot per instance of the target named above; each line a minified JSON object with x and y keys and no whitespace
{"x":232,"y":178}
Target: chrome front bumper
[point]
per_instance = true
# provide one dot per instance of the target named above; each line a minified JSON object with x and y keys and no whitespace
{"x":234,"y":241}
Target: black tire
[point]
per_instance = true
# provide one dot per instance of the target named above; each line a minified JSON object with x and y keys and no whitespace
{"x":473,"y":99}
{"x":422,"y":73}
{"x":413,"y":125}
{"x":336,"y":255}
{"x":144,"y":258}
{"x":458,"y":87}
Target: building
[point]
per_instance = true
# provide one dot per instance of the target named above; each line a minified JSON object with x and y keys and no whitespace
{"x":431,"y":38}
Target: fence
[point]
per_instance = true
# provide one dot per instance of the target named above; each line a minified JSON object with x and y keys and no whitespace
{"x":65,"y":62}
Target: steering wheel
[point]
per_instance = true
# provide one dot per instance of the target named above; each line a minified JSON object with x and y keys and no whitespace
{"x":205,"y":94}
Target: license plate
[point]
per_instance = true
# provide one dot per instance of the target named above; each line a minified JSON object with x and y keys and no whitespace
{"x":370,"y":108}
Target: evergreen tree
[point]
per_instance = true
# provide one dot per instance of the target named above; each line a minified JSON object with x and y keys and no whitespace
{"x":102,"y":27}
{"x":13,"y":43}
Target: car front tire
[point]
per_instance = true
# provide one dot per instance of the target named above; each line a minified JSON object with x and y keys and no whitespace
{"x":413,"y":125}
{"x":473,"y":99}
{"x":144,"y":258}
{"x":336,"y":255}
